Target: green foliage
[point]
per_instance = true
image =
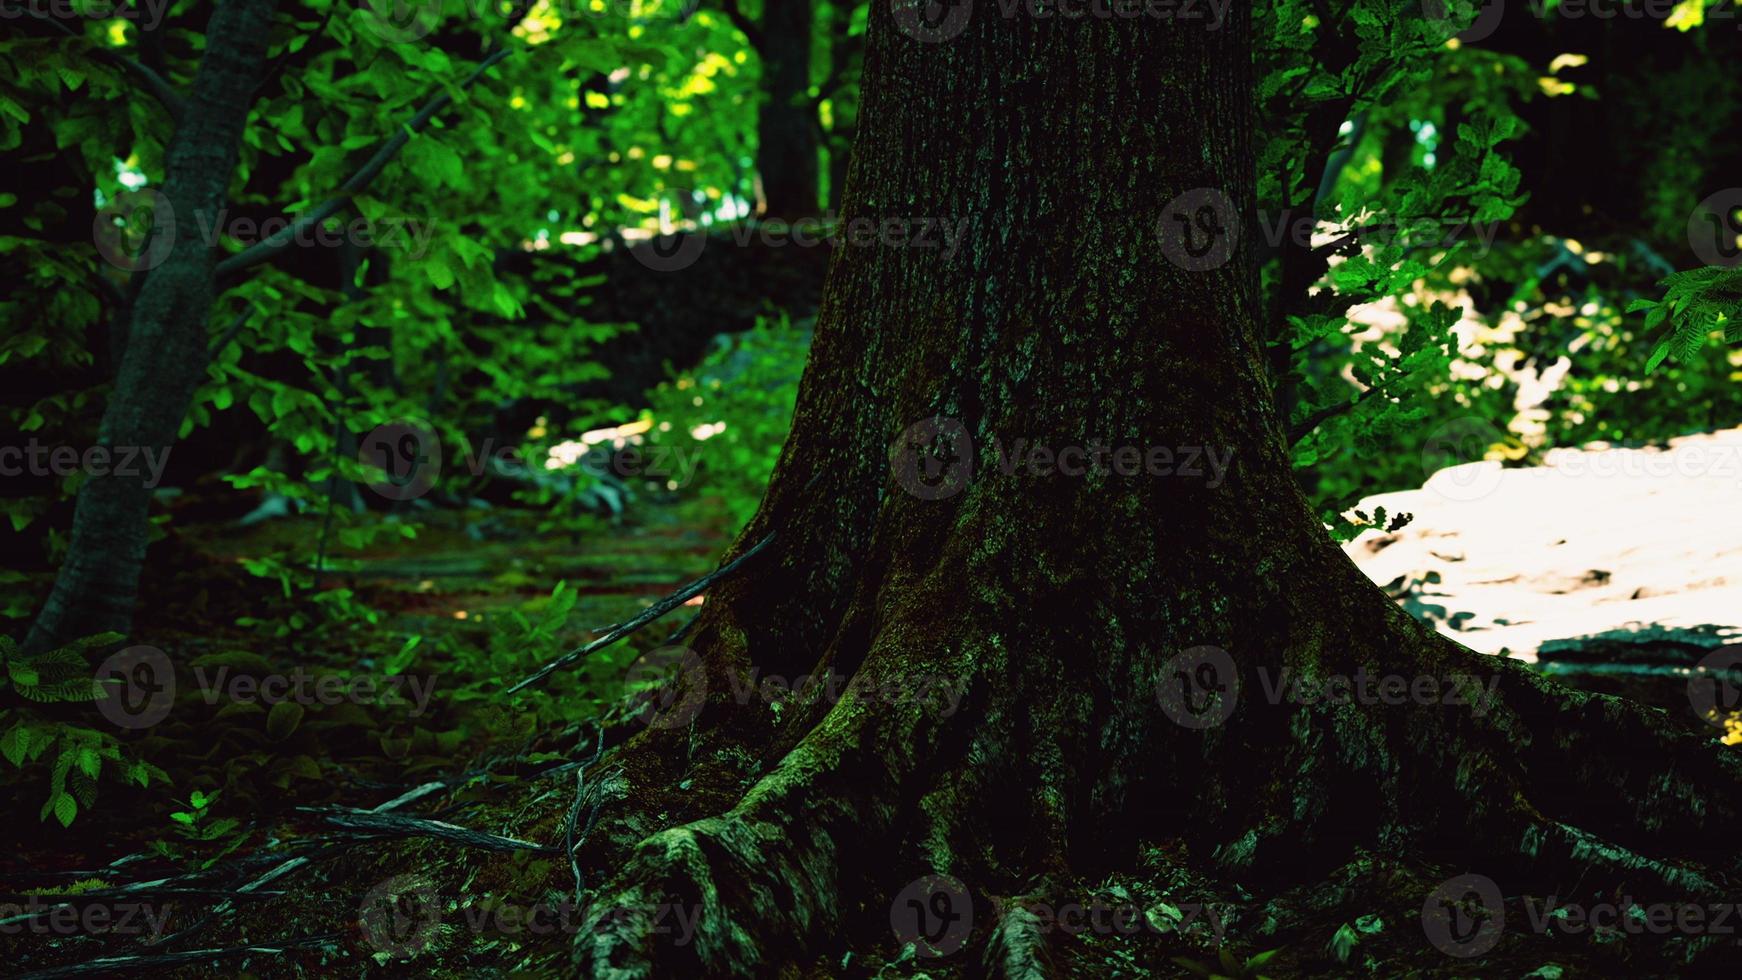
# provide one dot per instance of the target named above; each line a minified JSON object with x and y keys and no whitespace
{"x":584,"y":131}
{"x":1391,"y":231}
{"x":1228,"y":966}
{"x":1695,"y":305}
{"x":1348,"y":936}
{"x":202,"y":840}
{"x":56,"y":675}
{"x":732,"y":412}
{"x":299,"y":608}
{"x":74,"y":755}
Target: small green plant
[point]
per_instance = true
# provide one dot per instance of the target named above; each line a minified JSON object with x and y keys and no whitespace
{"x":196,"y":827}
{"x":193,"y":824}
{"x":520,"y":641}
{"x":1348,"y":936}
{"x":1230,"y":967}
{"x":57,"y":675}
{"x":305,"y":608}
{"x":78,"y":754}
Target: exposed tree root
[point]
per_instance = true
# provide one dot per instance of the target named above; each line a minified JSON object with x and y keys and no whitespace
{"x":1547,"y":787}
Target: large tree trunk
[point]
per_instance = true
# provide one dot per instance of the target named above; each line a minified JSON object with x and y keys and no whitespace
{"x":1060,"y":602}
{"x":165,"y":356}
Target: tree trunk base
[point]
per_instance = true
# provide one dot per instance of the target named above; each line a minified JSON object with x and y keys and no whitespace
{"x":1551,"y":792}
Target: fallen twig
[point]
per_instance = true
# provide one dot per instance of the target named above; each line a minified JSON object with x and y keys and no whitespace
{"x":402,"y":825}
{"x":112,"y":963}
{"x":648,"y":615}
{"x":572,"y":841}
{"x":412,"y":795}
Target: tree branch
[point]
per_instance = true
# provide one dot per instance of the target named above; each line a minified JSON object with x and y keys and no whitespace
{"x":833,"y":82}
{"x":231,"y":331}
{"x":1300,"y":430}
{"x":647,"y":615}
{"x":271,"y":246}
{"x":160,"y":88}
{"x":745,"y":25}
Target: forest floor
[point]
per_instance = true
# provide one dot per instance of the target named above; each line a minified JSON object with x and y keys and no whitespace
{"x":456,"y":870}
{"x":1617,"y":569}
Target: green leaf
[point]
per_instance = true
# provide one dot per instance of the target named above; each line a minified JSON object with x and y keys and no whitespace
{"x":1657,"y":356}
{"x":65,"y":809}
{"x":283,"y":719}
{"x":14,"y":743}
{"x":1263,"y":958}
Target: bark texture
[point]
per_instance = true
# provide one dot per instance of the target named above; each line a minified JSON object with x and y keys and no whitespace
{"x":166,"y":339}
{"x":1059,"y":602}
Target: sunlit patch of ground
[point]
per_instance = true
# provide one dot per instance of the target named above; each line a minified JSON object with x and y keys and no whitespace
{"x":1619,"y":567}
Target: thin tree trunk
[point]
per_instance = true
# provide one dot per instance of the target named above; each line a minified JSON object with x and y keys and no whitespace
{"x":166,"y":351}
{"x":786,"y":147}
{"x":1062,"y":605}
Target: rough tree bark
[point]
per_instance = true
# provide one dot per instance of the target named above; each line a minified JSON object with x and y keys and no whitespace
{"x":1059,"y":601}
{"x":165,"y":355}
